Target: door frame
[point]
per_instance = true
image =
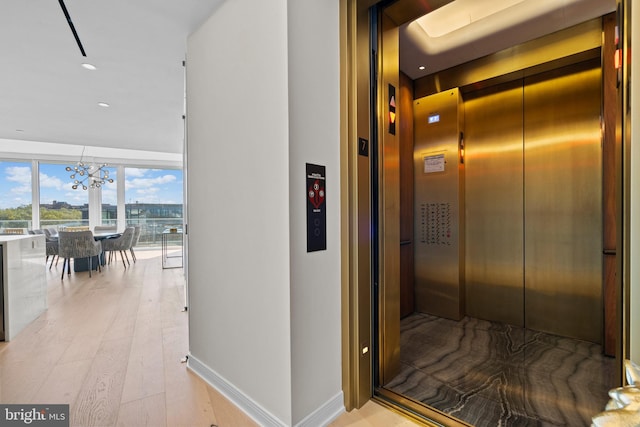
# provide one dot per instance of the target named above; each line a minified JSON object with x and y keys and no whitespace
{"x":355,"y":173}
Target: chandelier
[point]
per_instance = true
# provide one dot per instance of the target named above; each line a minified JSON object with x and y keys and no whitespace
{"x":88,"y":175}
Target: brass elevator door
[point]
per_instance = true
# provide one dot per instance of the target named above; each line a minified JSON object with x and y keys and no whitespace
{"x":494,"y":204}
{"x":563,"y":203}
{"x":533,"y":205}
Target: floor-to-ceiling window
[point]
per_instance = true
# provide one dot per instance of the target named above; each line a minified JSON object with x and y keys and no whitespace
{"x":15,"y":197}
{"x":60,"y":204}
{"x":109,"y":194}
{"x":153,"y":200}
{"x":41,"y":194}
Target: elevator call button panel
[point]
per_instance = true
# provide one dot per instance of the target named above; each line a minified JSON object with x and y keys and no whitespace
{"x":316,"y":208}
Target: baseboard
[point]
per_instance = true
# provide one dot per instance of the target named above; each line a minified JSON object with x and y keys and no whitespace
{"x":322,"y":416}
{"x":325,"y":414}
{"x":228,"y":390}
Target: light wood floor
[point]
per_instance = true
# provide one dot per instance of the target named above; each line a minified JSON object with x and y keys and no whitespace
{"x":111,"y":346}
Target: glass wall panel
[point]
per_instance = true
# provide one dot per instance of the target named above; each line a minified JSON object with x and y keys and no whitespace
{"x":110,"y":198}
{"x":60,"y":205}
{"x":153,"y":200}
{"x":15,"y":197}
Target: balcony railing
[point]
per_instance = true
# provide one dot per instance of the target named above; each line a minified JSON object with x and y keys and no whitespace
{"x":150,"y":233}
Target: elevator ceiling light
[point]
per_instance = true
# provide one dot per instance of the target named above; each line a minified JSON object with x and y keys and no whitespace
{"x":103,"y":104}
{"x":461,"y":13}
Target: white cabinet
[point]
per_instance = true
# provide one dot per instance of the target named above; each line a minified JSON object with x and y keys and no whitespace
{"x":24,"y":286}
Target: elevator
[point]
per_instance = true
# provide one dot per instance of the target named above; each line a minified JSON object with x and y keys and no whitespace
{"x":508,"y":211}
{"x":508,"y":236}
{"x":505,"y":227}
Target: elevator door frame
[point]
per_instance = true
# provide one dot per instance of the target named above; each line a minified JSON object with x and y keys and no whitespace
{"x":357,"y":332}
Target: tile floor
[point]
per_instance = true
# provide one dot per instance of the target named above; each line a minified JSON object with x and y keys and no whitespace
{"x":491,"y":374}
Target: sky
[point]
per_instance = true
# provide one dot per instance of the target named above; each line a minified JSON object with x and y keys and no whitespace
{"x":141,"y":185}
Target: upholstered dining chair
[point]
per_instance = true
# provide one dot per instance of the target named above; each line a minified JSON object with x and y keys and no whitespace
{"x":51,"y":247}
{"x":77,"y":244}
{"x":50,"y":233}
{"x":121,"y":244}
{"x":104,"y":228}
{"x":134,"y":242}
{"x":78,"y":228}
{"x":13,"y":231}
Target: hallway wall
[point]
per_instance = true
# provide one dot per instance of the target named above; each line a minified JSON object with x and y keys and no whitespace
{"x":238,"y":244}
{"x":314,"y":136}
{"x":263,"y":100}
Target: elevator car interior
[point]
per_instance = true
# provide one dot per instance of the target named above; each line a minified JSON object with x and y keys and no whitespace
{"x":493,"y":187}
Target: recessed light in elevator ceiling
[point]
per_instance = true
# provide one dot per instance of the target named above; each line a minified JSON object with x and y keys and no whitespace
{"x":461,"y":13}
{"x":464,"y":30}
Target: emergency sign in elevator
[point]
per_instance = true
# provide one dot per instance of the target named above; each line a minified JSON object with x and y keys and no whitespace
{"x":508,"y":203}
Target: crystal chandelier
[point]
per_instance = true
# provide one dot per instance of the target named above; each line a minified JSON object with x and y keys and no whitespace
{"x":88,"y":175}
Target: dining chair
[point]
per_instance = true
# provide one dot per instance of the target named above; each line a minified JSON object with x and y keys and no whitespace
{"x":50,"y":233}
{"x":51,"y":240}
{"x":13,"y":231}
{"x":78,"y":228}
{"x":78,"y":244}
{"x":105,"y":228}
{"x":134,"y":242}
{"x":120,"y":244}
{"x":51,"y":247}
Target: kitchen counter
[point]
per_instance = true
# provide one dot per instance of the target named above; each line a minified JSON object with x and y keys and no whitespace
{"x":24,"y":285}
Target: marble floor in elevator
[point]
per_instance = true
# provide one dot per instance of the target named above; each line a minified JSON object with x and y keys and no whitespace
{"x":492,"y":374}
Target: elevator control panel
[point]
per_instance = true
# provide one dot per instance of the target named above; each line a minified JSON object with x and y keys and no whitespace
{"x":316,"y":208}
{"x":435,"y":222}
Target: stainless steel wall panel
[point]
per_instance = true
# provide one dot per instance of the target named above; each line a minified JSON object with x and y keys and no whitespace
{"x":494,"y":204}
{"x":563,"y":203}
{"x":439,"y":254}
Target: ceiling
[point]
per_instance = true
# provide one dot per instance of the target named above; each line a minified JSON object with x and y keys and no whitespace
{"x":138,"y":47}
{"x":464,"y":30}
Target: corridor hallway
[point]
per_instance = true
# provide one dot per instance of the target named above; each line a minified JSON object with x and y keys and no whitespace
{"x":111,"y":346}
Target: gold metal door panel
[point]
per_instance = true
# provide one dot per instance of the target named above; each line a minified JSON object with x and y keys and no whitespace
{"x":494,"y":204}
{"x":563,"y":203}
{"x":439,"y":289}
{"x":389,"y":208}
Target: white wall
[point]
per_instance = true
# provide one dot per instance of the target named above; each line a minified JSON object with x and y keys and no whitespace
{"x":314,"y":95}
{"x":238,"y":197}
{"x":263,"y":100}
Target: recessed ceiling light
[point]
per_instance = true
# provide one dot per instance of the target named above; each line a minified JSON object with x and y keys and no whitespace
{"x":89,"y":66}
{"x":460,"y":13}
{"x":422,"y":67}
{"x":103,"y":104}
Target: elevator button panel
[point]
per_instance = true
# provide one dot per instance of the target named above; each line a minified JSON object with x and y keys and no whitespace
{"x":316,"y":208}
{"x":435,"y":221}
